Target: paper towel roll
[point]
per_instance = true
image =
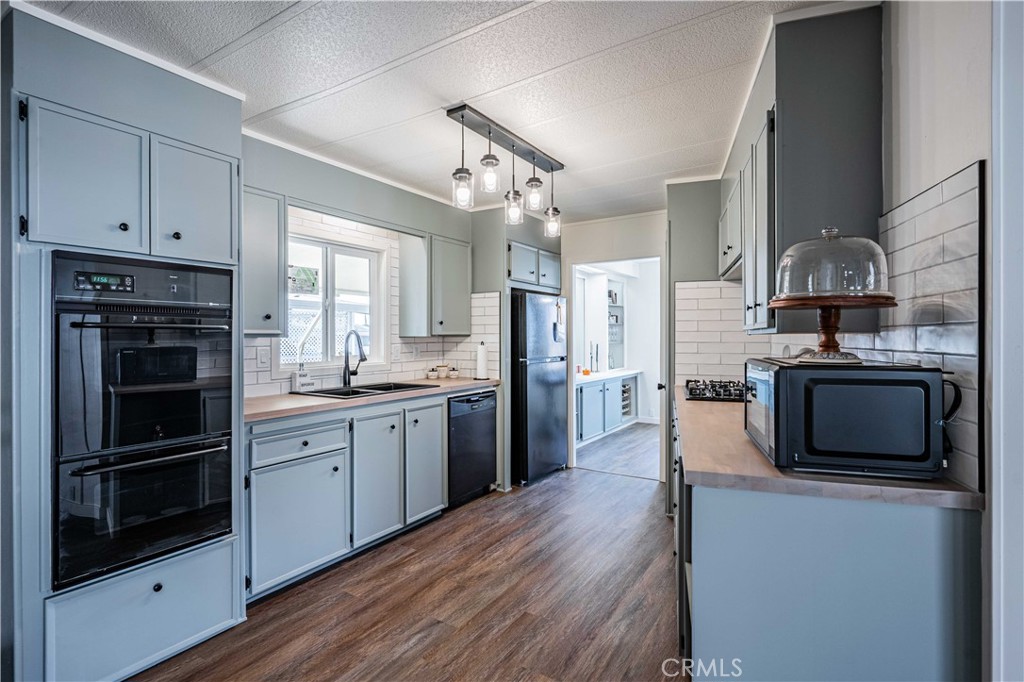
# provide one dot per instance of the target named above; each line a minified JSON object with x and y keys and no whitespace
{"x":481,"y":362}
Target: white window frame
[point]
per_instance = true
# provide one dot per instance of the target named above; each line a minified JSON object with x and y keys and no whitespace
{"x":379,"y":355}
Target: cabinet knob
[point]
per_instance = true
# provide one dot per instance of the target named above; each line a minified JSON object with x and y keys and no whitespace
{"x":757,"y":305}
{"x":725,"y":253}
{"x":543,"y":274}
{"x":124,"y":227}
{"x":750,"y":307}
{"x":268,"y":316}
{"x":415,"y":422}
{"x":176,"y":235}
{"x":532,"y":271}
{"x":334,"y":469}
{"x":392,"y":427}
{"x":305,"y":443}
{"x":158,"y":587}
{"x":728,"y":247}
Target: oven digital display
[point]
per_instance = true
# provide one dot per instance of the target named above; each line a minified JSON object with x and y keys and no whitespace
{"x":101,"y":281}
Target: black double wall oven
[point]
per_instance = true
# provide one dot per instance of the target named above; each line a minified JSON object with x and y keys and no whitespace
{"x":142,"y":426}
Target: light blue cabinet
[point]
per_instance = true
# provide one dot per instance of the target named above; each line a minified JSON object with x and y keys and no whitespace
{"x":549,"y":269}
{"x":612,"y":404}
{"x":264,"y":262}
{"x":522,"y":263}
{"x":299,"y":517}
{"x":450,"y":284}
{"x":194,"y":202}
{"x":424,"y":461}
{"x":591,"y":408}
{"x":86,"y":180}
{"x":378,"y":483}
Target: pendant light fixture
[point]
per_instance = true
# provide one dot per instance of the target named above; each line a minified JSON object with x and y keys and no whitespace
{"x":513,"y":198}
{"x":490,"y":181}
{"x":552,"y":216}
{"x":534,"y":198}
{"x":462,"y":178}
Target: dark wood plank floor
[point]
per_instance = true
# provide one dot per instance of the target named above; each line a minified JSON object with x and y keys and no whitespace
{"x":568,"y":579}
{"x":632,"y":451}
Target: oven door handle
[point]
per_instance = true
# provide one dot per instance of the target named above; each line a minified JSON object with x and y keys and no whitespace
{"x":150,"y":325}
{"x":95,"y":470}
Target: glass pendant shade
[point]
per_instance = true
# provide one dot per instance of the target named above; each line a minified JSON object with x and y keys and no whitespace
{"x":490,"y":181}
{"x":552,"y":222}
{"x":513,"y":207}
{"x":534,"y":198}
{"x":832,"y":266}
{"x":462,"y":188}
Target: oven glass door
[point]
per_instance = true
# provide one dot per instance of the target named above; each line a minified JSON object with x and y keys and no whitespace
{"x":126,"y":380}
{"x":116,"y":511}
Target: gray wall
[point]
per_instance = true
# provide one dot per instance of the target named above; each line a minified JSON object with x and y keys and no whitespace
{"x":61,"y":66}
{"x":275,"y":169}
{"x":693,"y":212}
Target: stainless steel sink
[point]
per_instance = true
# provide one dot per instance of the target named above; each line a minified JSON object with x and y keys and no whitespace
{"x":347,"y":393}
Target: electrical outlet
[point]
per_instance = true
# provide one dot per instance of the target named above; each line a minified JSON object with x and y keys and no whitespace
{"x":263,"y":358}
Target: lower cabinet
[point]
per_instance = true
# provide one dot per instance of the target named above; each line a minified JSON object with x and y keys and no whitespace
{"x":590,"y":401}
{"x":612,"y":404}
{"x":121,"y":625}
{"x":602,"y":406}
{"x":424,"y":461}
{"x":299,"y":517}
{"x":378,"y":483}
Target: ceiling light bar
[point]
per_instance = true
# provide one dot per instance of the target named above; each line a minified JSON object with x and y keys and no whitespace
{"x":503,"y":137}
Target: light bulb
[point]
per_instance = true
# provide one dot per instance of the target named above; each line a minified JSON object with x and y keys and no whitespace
{"x":490,"y":180}
{"x":534,"y":200}
{"x":462,"y":194}
{"x":462,"y":188}
{"x":553,"y":223}
{"x":513,"y":212}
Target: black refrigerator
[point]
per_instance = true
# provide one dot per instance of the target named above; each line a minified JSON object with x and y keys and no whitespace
{"x":540,"y":423}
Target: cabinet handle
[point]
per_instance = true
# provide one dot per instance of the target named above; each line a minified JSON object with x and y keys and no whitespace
{"x":728,"y":248}
{"x":757,"y":305}
{"x":414,"y":422}
{"x":176,"y":235}
{"x":532,"y":271}
{"x":158,"y":587}
{"x":725,"y":253}
{"x":750,"y":307}
{"x":124,"y":227}
{"x":334,"y":469}
{"x":268,"y":316}
{"x":305,"y":443}
{"x":543,"y":274}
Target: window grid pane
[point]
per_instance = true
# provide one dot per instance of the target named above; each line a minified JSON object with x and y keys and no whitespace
{"x":352,"y":284}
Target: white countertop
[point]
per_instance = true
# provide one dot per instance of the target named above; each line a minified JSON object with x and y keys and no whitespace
{"x":606,"y":376}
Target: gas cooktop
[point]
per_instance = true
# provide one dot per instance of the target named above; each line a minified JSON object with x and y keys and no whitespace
{"x":722,"y":391}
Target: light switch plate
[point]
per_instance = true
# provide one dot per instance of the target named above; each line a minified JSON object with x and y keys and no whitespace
{"x":263,"y":358}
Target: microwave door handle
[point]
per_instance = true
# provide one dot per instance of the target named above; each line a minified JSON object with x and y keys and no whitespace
{"x":150,"y":325}
{"x":93,"y":471}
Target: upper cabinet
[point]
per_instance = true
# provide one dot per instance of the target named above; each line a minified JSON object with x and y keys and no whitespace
{"x":97,"y":183}
{"x":265,"y":253}
{"x":87,"y":182}
{"x":729,"y":232}
{"x":808,"y":153}
{"x":550,"y":270}
{"x":194,"y":202}
{"x":530,"y":265}
{"x":434,"y":287}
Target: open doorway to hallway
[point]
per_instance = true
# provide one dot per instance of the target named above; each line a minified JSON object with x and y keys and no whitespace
{"x":616,"y":359}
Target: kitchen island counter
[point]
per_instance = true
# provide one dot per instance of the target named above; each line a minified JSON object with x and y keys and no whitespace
{"x":609,"y":375}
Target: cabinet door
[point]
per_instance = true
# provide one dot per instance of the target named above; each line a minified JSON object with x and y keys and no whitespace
{"x":749,"y":248}
{"x":377,"y":481}
{"x":723,"y":238}
{"x":424,"y":461}
{"x":730,"y":240}
{"x":264,"y":262}
{"x":522,"y":263}
{"x":764,"y":226}
{"x":86,"y":180}
{"x":550,"y":268}
{"x":195,"y":202}
{"x":591,"y":410}
{"x":451,"y":282}
{"x":612,"y":404}
{"x":298,"y":517}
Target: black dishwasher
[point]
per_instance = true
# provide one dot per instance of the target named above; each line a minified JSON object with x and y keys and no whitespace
{"x":472,"y":447}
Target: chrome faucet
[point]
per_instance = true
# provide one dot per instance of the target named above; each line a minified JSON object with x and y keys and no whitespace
{"x":347,"y":373}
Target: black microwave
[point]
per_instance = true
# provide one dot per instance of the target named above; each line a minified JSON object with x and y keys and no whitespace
{"x":869,"y":419}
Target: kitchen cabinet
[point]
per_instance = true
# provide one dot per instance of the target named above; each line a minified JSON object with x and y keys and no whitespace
{"x":550,"y":269}
{"x":450,"y":285}
{"x":523,"y":263}
{"x":299,"y":517}
{"x":194,"y":202}
{"x":378,"y":481}
{"x":759,"y":233}
{"x":591,"y":404}
{"x":612,"y":404}
{"x":264,"y":263}
{"x":424,"y":461}
{"x":434,"y":287}
{"x":86,"y":180}
{"x":730,"y":230}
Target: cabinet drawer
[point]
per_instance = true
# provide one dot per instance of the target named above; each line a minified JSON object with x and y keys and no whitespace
{"x":119,"y":626}
{"x":276,"y":449}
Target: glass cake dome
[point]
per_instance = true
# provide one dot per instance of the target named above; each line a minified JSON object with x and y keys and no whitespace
{"x":833,"y":266}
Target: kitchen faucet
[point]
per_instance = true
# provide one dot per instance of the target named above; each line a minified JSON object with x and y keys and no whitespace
{"x":347,"y":374}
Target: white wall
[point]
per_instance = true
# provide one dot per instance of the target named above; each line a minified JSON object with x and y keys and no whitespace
{"x":633,"y":236}
{"x":595,"y":331}
{"x":643,"y":338}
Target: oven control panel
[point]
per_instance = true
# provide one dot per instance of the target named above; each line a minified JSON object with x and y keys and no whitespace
{"x":102,"y":281}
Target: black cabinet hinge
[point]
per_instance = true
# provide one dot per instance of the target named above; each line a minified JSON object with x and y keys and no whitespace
{"x":351,"y":539}
{"x":22,"y":110}
{"x":248,"y":583}
{"x":246,"y":479}
{"x":22,"y":226}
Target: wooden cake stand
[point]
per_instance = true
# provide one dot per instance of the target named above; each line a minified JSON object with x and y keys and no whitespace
{"x":829,"y":310}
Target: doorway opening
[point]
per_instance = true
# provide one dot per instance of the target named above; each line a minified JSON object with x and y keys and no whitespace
{"x":616,"y":362}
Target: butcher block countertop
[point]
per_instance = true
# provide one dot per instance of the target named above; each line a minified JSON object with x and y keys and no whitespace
{"x":717,"y":453}
{"x":289,"y":404}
